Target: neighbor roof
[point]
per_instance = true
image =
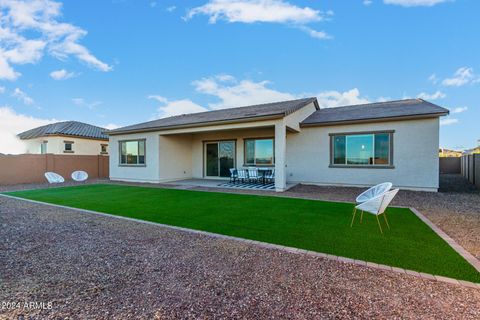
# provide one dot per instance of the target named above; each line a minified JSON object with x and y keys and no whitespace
{"x":279,"y":109}
{"x":66,"y":128}
{"x":391,"y":110}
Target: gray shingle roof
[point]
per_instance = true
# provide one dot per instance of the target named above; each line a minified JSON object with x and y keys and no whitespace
{"x":256,"y":111}
{"x":66,"y":128}
{"x":372,"y":111}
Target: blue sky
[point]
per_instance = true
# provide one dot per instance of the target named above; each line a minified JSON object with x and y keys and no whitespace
{"x":115,"y":63}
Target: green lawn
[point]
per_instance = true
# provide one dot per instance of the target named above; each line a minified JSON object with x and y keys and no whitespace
{"x":308,"y":224}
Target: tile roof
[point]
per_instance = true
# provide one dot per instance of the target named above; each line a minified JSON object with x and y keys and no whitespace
{"x":283,"y":108}
{"x":373,"y":111}
{"x":66,"y":128}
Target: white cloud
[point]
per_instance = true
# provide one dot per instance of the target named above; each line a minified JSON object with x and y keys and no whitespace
{"x":234,"y":93}
{"x":432,"y":96}
{"x":158,"y":98}
{"x":171,"y":8}
{"x":322,"y":35}
{"x":31,"y":28}
{"x":433,"y":78}
{"x":331,"y":99}
{"x":448,"y":121}
{"x":62,"y":74}
{"x":415,"y":3}
{"x":2,"y":90}
{"x":110,"y":126}
{"x":83,"y":103}
{"x":22,"y":96}
{"x":12,"y":123}
{"x":367,"y":2}
{"x":459,"y":110}
{"x":176,"y":107}
{"x":461,"y":77}
{"x":267,"y":11}
{"x":250,"y":11}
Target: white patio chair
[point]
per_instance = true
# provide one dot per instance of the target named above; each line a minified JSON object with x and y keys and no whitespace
{"x":242,"y":175}
{"x":233,"y":175}
{"x":253,"y":174}
{"x":374,"y":191}
{"x":376,"y":206}
{"x":79,"y":176}
{"x":53,"y":177}
{"x":270,"y":175}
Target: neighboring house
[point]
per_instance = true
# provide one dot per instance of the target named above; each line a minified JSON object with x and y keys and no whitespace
{"x":447,"y":153}
{"x":358,"y":145}
{"x":472,"y":151}
{"x":69,"y":137}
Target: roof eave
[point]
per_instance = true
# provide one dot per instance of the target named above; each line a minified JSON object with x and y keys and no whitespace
{"x":372,"y":120}
{"x":63,"y":135}
{"x":197,"y":125}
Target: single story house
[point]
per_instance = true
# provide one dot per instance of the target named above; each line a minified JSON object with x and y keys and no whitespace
{"x":359,"y":145}
{"x":68,"y":137}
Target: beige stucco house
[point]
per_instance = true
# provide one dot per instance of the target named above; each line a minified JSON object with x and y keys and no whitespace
{"x":67,"y":138}
{"x":358,"y":145}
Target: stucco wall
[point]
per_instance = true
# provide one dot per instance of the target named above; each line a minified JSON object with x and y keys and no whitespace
{"x":56,"y":145}
{"x":175,"y":157}
{"x":293,"y":120}
{"x":30,"y":168}
{"x":147,"y":173}
{"x":415,"y":147}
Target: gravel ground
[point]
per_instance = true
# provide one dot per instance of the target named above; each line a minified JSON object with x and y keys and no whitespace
{"x":90,"y":266}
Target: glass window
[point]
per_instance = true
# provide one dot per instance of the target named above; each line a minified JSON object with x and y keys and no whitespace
{"x":259,"y":152}
{"x":339,"y":150}
{"x":362,"y":149}
{"x":103,"y":148}
{"x":132,"y":152}
{"x":382,"y":148}
{"x":68,"y":146}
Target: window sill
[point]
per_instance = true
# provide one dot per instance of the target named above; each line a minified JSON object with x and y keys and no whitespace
{"x":361,"y":166}
{"x":68,"y":151}
{"x":132,"y":165}
{"x":103,"y":153}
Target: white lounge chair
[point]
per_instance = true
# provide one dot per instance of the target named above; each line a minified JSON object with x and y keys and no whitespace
{"x":374,"y":192}
{"x":376,"y":206}
{"x":242,"y":175}
{"x":233,"y":175}
{"x":270,"y":175}
{"x":253,"y":174}
{"x":79,"y":176}
{"x":53,"y":177}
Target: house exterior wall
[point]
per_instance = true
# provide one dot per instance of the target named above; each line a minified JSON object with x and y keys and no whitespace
{"x":293,"y":120}
{"x":56,"y":145}
{"x":175,"y":157}
{"x":415,"y":156}
{"x":145,"y":173}
{"x":179,"y":153}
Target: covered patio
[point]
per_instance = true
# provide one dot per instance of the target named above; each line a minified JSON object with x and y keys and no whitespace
{"x":207,"y":156}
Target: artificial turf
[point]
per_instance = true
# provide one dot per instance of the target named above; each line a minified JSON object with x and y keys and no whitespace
{"x":307,"y":224}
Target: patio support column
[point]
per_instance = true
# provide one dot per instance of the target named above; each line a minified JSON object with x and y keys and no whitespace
{"x":280,"y":156}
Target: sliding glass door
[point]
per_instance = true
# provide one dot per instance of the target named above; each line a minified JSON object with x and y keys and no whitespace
{"x":219,"y":158}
